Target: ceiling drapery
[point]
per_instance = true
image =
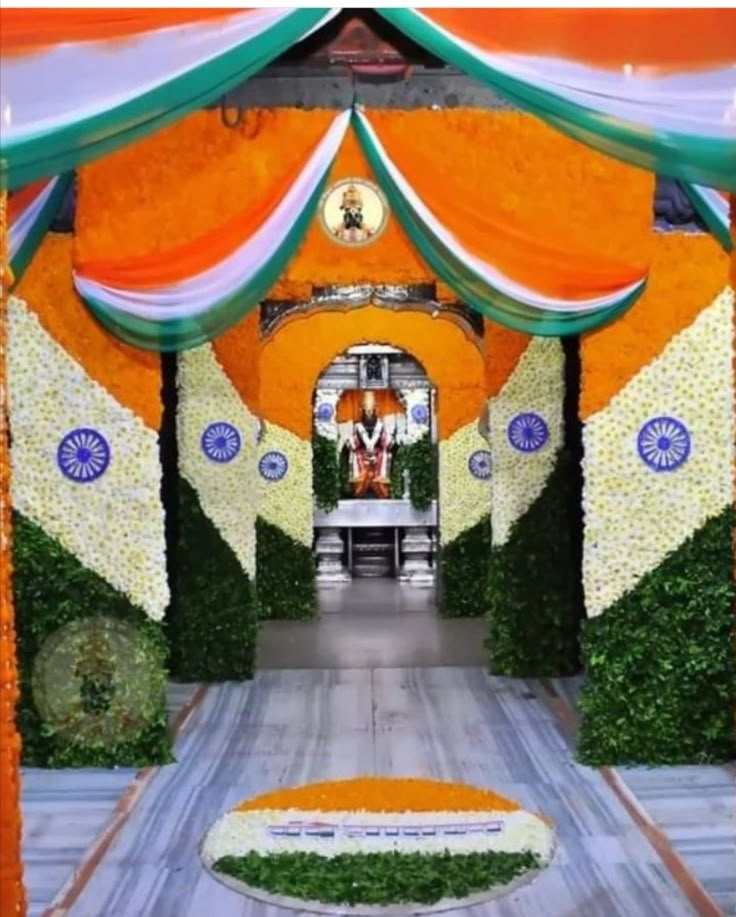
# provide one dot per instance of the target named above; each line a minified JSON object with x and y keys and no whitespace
{"x":31,"y":210}
{"x":513,"y":272}
{"x":91,"y":81}
{"x":654,"y":88}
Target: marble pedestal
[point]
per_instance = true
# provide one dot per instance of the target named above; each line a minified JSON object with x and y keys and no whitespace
{"x":330,"y":552}
{"x":416,"y":553}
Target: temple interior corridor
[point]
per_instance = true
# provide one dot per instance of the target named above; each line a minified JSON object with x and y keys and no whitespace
{"x":373,"y":623}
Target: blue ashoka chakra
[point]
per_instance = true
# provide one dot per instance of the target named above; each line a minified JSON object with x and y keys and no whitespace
{"x":664,"y":443}
{"x":221,"y":441}
{"x":325,"y":412}
{"x":479,"y":464}
{"x":528,"y":432}
{"x":273,"y":466}
{"x":83,"y":455}
{"x":420,"y":413}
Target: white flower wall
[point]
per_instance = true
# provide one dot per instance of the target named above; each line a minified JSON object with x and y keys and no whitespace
{"x":526,"y":433}
{"x":108,"y":514}
{"x":285,"y":466}
{"x":464,"y":482}
{"x":635,"y":516}
{"x":226,"y":482}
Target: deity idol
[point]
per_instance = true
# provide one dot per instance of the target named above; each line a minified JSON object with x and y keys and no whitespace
{"x":353,"y":227}
{"x":370,"y":446}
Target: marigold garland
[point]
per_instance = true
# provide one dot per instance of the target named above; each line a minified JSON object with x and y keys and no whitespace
{"x":687,"y":272}
{"x":132,"y":376}
{"x":382,"y":794}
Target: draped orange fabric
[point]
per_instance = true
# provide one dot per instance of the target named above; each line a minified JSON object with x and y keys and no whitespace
{"x":667,"y":39}
{"x":20,"y":199}
{"x":162,"y":268}
{"x":30,"y":29}
{"x":350,"y":404}
{"x":529,"y":253}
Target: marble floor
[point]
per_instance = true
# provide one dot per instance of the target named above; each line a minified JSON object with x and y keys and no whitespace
{"x":296,"y":726}
{"x":373,"y":623}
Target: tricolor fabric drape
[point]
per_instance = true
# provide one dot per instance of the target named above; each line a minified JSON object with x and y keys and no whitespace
{"x":653,"y":87}
{"x":512,"y":274}
{"x":31,"y":211}
{"x":182,"y":297}
{"x":713,"y":207}
{"x":77,"y":84}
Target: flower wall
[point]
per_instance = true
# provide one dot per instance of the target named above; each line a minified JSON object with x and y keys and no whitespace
{"x":532,"y":600}
{"x":215,"y":612}
{"x":658,"y":404}
{"x":89,"y":536}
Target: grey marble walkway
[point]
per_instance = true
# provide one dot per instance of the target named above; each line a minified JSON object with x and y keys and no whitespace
{"x":290,"y":727}
{"x":65,"y":811}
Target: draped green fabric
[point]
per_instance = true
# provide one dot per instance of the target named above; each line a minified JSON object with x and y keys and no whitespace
{"x":34,"y":238}
{"x":65,"y":147}
{"x":184,"y":333}
{"x":710,"y":162}
{"x":469,"y":287}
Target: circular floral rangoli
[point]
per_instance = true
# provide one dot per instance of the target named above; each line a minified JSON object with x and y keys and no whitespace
{"x":273,"y":466}
{"x":479,"y":464}
{"x":377,"y":842}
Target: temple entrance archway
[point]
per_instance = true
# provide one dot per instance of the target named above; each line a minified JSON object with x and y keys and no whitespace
{"x":375,"y":469}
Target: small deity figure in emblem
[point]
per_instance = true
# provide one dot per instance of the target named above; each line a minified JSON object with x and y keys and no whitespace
{"x":352,"y":228}
{"x":370,"y":448}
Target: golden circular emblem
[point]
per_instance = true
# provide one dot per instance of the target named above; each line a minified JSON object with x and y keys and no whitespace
{"x":354,"y":212}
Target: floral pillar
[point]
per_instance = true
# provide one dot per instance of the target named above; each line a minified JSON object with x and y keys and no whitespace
{"x":533,"y":607}
{"x":658,"y":405}
{"x":218,"y":497}
{"x":12,"y":893}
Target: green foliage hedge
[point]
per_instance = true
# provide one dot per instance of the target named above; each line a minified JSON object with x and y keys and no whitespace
{"x":418,"y":458}
{"x":464,"y":568}
{"x":377,"y":878}
{"x":285,"y":575}
{"x":326,"y":483}
{"x":534,"y":594}
{"x":213,"y":619}
{"x":52,"y":588}
{"x":660,"y":670}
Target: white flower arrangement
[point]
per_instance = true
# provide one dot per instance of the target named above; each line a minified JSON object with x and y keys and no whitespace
{"x":537,"y":385}
{"x":264,"y":831}
{"x":287,"y":502}
{"x":463,"y":498}
{"x":228,"y":491}
{"x":635,"y":516}
{"x":114,"y":524}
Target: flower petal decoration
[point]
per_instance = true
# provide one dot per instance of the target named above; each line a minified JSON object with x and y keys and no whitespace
{"x":83,"y":455}
{"x":221,"y":441}
{"x":184,"y":297}
{"x":664,"y":443}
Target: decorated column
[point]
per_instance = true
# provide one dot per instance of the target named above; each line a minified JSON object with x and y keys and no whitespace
{"x":89,"y":559}
{"x":12,"y":893}
{"x":214,"y":616}
{"x":658,"y":405}
{"x":533,"y":606}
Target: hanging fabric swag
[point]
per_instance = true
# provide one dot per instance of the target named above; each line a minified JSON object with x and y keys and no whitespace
{"x":654,"y":88}
{"x":31,"y":211}
{"x":183,"y":297}
{"x":510,"y":273}
{"x":713,"y":208}
{"x":110,"y":77}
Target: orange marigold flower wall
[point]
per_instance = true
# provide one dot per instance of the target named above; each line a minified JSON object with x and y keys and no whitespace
{"x":131,"y":375}
{"x":687,"y":273}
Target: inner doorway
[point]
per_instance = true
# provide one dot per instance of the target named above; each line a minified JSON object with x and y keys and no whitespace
{"x":375,"y":435}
